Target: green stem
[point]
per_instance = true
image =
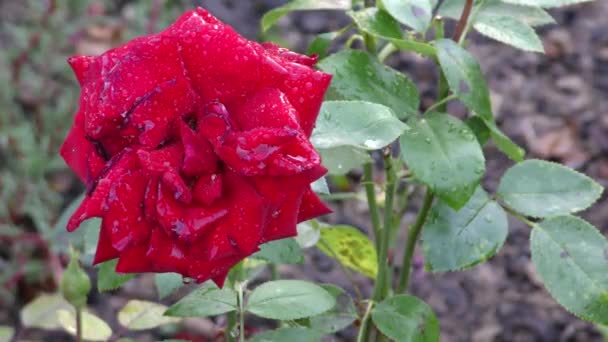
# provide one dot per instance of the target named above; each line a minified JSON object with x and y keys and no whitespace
{"x":412,"y":238}
{"x":439,"y":31}
{"x":352,"y":39}
{"x":382,"y":278}
{"x":78,"y":324}
{"x":370,"y":192}
{"x":241,"y":313}
{"x":232,"y":318}
{"x":386,"y":51}
{"x":364,"y":330}
{"x":517,"y":215}
{"x":274,"y":273}
{"x":441,"y":104}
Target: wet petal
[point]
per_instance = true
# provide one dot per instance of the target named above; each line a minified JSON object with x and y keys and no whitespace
{"x":311,"y":207}
{"x":104,"y":251}
{"x":208,"y":188}
{"x":269,"y":107}
{"x":221,"y":64}
{"x":198,"y":152}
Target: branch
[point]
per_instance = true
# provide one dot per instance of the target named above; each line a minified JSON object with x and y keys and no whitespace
{"x":462,"y":22}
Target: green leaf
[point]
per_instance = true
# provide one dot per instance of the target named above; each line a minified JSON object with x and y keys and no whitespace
{"x":93,"y":327}
{"x":546,"y":3}
{"x":503,"y":142}
{"x":540,"y":188}
{"x":167,"y":283}
{"x":479,"y":128}
{"x":510,"y":31}
{"x":350,"y":247}
{"x":360,"y":124}
{"x":456,"y":240}
{"x":321,"y":43}
{"x":284,"y":251}
{"x":340,"y":160}
{"x":571,"y":257}
{"x":380,"y":24}
{"x":271,"y":17}
{"x":308,"y":234}
{"x":343,"y":314}
{"x":442,"y":152}
{"x":6,"y":333}
{"x":208,"y":300}
{"x":142,"y":315}
{"x":357,"y":75}
{"x":108,"y":279}
{"x":320,"y":186}
{"x":464,"y":76}
{"x":287,"y":334}
{"x":413,"y":13}
{"x":406,"y":318}
{"x":42,"y":311}
{"x":531,"y":15}
{"x":289,"y":300}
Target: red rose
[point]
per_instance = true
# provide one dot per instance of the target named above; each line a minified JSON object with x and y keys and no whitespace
{"x":193,"y":145}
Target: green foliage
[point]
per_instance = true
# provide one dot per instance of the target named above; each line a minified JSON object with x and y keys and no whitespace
{"x":405,"y":318}
{"x":42,"y":311}
{"x":531,"y":15}
{"x":540,"y":188}
{"x":442,"y":152}
{"x":343,"y":314}
{"x":571,"y":257}
{"x":464,"y":76}
{"x":289,"y":300}
{"x":93,"y":327}
{"x":380,"y":24}
{"x":296,"y":334}
{"x":108,"y":279}
{"x":208,"y":300}
{"x":167,"y":283}
{"x":75,"y":283}
{"x":309,"y":233}
{"x":341,"y":159}
{"x":357,"y":75}
{"x":546,"y":3}
{"x":350,"y":247}
{"x":360,"y":124}
{"x":271,"y":17}
{"x":456,"y":240}
{"x":6,"y":333}
{"x":142,"y":315}
{"x":413,"y":13}
{"x":510,"y":31}
{"x":284,"y":251}
{"x":320,"y":186}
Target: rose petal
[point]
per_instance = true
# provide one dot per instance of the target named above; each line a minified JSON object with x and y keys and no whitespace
{"x":208,"y":188}
{"x":311,"y":207}
{"x":269,"y":107}
{"x":198,"y":152}
{"x":105,"y":251}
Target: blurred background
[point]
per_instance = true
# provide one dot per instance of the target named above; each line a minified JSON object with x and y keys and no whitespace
{"x":556,"y":105}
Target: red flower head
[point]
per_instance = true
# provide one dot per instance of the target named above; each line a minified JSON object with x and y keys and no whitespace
{"x":193,"y":145}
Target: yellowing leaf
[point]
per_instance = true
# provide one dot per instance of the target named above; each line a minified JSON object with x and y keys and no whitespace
{"x":93,"y":327}
{"x":140,"y":315}
{"x":350,"y":247}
